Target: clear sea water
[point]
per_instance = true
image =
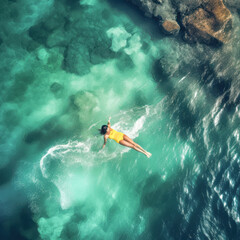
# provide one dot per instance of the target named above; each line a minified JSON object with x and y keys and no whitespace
{"x":66,"y":66}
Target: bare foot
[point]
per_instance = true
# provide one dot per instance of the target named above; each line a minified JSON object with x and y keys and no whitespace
{"x":146,"y":155}
{"x":149,"y":154}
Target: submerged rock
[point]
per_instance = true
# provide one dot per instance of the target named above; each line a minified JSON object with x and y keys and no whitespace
{"x":210,"y":23}
{"x":57,"y":89}
{"x":83,"y":105}
{"x":43,"y":55}
{"x":39,"y":33}
{"x":92,"y":47}
{"x":58,"y":38}
{"x":165,"y":68}
{"x":83,"y":100}
{"x":20,"y":85}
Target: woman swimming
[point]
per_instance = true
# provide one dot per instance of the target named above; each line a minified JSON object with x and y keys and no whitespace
{"x":121,"y":138}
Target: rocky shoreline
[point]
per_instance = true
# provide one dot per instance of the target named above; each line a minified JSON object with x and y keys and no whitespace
{"x":204,"y":21}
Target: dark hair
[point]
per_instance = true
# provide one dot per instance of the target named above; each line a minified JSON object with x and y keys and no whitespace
{"x":103,"y":129}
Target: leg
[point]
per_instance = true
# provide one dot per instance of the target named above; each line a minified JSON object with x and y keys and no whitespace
{"x":128,"y":139}
{"x":130,"y":145}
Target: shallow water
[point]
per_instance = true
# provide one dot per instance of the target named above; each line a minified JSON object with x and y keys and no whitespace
{"x":65,"y":67}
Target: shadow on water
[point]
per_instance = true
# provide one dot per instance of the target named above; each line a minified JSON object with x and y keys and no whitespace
{"x":19,"y":227}
{"x":212,"y":85}
{"x":71,"y":228}
{"x":215,"y":88}
{"x":7,"y":172}
{"x":162,"y":199}
{"x":223,"y":219}
{"x":200,"y":199}
{"x":179,"y":110}
{"x":149,"y":25}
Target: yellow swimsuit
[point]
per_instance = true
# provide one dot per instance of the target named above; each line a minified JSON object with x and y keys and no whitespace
{"x":117,"y":136}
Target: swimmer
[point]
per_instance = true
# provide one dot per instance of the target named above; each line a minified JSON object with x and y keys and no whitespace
{"x":120,"y":138}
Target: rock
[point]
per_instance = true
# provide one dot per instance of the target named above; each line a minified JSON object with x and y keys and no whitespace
{"x":58,"y":38}
{"x":206,"y":21}
{"x":32,"y":45}
{"x":124,"y":62}
{"x":39,"y":33}
{"x":90,"y":48}
{"x":83,"y":104}
{"x":19,"y":87}
{"x":57,"y":89}
{"x":165,"y":67}
{"x":55,"y":21}
{"x":55,"y":60}
{"x":77,"y":59}
{"x":83,"y":101}
{"x":43,"y":55}
{"x":219,"y":10}
{"x":170,"y":27}
{"x":210,"y":23}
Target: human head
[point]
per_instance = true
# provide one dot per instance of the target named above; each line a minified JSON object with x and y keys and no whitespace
{"x":103,"y":129}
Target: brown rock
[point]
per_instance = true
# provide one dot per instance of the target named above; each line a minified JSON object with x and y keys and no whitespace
{"x":170,"y":27}
{"x":210,"y":23}
{"x":219,"y":10}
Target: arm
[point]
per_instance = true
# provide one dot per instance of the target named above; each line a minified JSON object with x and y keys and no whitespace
{"x":105,"y":141}
{"x":105,"y":138}
{"x":109,"y":125}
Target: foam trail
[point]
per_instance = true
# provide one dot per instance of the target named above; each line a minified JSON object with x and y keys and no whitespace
{"x":88,"y":153}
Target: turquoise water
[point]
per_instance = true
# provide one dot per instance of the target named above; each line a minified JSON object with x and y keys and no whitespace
{"x":66,"y":67}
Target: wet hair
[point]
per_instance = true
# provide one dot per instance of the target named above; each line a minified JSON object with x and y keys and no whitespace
{"x":103,"y":129}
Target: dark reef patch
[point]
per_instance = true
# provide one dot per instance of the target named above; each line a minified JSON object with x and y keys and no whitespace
{"x":39,"y":33}
{"x":20,"y":85}
{"x":87,"y":50}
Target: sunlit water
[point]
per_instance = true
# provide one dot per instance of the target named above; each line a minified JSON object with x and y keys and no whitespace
{"x":65,"y":68}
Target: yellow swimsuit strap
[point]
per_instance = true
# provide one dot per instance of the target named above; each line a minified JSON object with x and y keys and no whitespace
{"x":112,"y":134}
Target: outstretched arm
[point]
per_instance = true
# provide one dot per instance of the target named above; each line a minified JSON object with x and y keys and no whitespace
{"x":105,"y":141}
{"x":109,"y":125}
